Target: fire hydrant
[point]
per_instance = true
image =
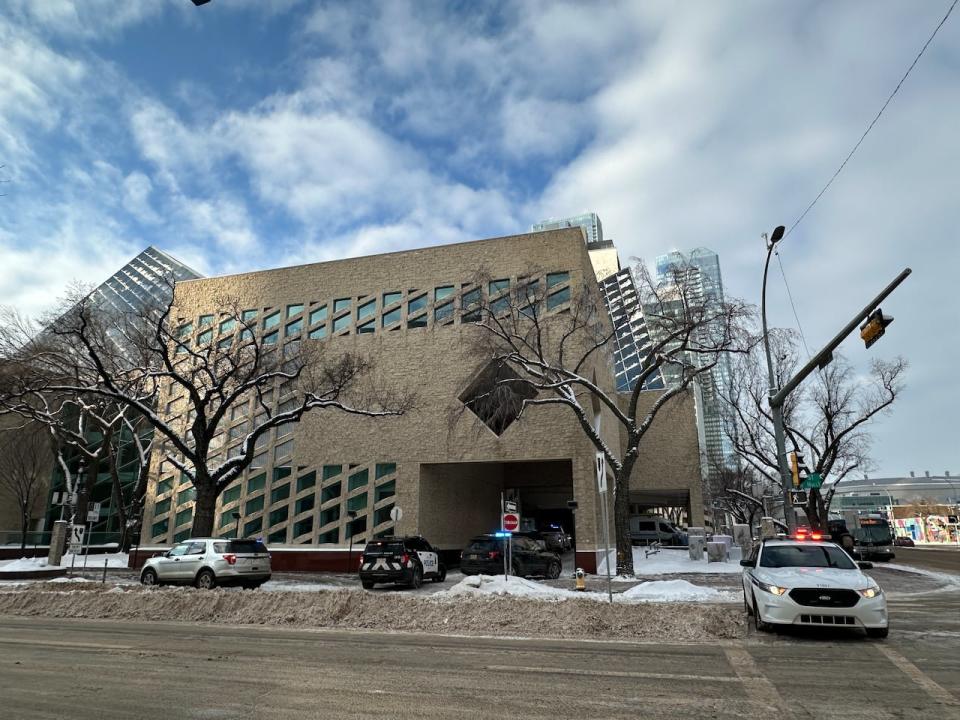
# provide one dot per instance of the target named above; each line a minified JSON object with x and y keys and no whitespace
{"x":581,"y":579}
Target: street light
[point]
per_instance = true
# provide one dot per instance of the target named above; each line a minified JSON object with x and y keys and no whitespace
{"x":236,"y":518}
{"x":776,"y":410}
{"x":352,"y":514}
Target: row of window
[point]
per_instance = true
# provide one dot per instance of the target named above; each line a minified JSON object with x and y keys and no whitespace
{"x":340,"y":491}
{"x":366,"y":314}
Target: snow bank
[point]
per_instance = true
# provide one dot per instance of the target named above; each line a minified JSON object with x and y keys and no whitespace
{"x":114,"y":560}
{"x":676,"y":561}
{"x":501,"y":585}
{"x":676,"y":591}
{"x":386,"y":611}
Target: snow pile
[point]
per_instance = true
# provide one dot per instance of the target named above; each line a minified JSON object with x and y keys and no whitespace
{"x":114,"y":560}
{"x":500,"y":585}
{"x":386,"y":611}
{"x":676,"y":561}
{"x":676,"y":591}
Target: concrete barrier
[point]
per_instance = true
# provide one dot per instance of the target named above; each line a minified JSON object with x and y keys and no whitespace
{"x":696,"y":544}
{"x":716,"y":552}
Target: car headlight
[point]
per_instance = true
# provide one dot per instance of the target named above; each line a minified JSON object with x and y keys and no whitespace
{"x":774,"y":589}
{"x":870,"y":592}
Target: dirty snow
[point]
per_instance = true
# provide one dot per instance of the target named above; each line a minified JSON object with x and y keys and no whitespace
{"x":479,"y":614}
{"x":677,"y":591}
{"x":114,"y":560}
{"x":676,"y":561}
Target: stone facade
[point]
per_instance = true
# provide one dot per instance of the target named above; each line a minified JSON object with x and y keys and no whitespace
{"x":439,"y":463}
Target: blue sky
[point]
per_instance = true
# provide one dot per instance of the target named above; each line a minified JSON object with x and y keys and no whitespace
{"x":247,"y":134}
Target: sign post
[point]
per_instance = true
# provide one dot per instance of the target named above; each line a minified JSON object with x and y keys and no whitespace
{"x":601,"y":465}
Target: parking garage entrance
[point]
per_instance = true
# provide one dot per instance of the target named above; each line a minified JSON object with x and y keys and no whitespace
{"x":460,"y":500}
{"x":671,"y":504}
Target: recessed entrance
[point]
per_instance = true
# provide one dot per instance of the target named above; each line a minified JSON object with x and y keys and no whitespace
{"x":460,"y":500}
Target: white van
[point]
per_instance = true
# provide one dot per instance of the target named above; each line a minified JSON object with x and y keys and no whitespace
{"x":647,"y":529}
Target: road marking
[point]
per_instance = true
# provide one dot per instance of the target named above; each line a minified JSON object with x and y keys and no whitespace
{"x":610,"y":673}
{"x":755,"y":683}
{"x":64,"y":643}
{"x":932,"y":688}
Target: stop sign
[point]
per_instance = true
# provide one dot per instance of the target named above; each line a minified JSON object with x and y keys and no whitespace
{"x":511,"y":521}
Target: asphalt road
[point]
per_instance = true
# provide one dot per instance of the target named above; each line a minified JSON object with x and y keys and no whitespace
{"x":938,"y":559}
{"x":58,"y":668}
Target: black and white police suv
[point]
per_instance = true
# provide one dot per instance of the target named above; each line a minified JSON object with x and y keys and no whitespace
{"x":400,"y":560}
{"x":811,"y":582}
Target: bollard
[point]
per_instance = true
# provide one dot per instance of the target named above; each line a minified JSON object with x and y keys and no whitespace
{"x":581,"y":580}
{"x":104,"y":580}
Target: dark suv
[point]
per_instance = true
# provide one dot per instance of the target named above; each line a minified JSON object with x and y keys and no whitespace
{"x":400,"y":560}
{"x":485,"y":555}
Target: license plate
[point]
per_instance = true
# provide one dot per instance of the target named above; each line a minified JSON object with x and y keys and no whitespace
{"x":474,"y":557}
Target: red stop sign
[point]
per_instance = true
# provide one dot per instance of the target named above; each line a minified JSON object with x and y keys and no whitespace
{"x":511,"y":521}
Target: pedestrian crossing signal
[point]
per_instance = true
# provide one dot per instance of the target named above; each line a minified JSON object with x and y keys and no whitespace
{"x":875,"y":326}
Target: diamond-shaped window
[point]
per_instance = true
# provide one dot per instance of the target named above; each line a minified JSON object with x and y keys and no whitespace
{"x":496,"y":396}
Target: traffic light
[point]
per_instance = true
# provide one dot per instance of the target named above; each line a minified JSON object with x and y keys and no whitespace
{"x":796,"y":462}
{"x":873,"y":329}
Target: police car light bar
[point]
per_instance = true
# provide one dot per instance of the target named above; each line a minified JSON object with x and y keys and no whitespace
{"x":502,"y":533}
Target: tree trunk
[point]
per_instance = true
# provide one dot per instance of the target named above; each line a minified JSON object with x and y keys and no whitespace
{"x":621,"y":517}
{"x":24,"y":527}
{"x":205,"y":506}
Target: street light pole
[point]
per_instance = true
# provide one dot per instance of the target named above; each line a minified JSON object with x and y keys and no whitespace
{"x":776,"y":409}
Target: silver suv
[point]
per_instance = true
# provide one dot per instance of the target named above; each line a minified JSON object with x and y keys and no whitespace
{"x":208,"y":562}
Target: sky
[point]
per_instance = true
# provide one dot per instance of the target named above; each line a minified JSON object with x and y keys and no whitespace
{"x":247,"y":134}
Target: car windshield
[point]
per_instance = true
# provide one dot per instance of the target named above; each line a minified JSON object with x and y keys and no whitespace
{"x":815,"y":556}
{"x":874,"y":534}
{"x":483,"y":545}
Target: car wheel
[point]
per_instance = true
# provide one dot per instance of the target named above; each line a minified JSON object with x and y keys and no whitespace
{"x":554,"y":569}
{"x":441,"y":575}
{"x":878,"y":633}
{"x":758,"y":622}
{"x":149,"y":577}
{"x":367,"y":584}
{"x":205,"y":580}
{"x":417,"y":580}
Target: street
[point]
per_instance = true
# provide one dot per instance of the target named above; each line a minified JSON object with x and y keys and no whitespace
{"x":945,"y":559}
{"x":55,"y":668}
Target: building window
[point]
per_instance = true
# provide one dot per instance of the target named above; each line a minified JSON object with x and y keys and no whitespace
{"x":442,"y":292}
{"x":341,"y":304}
{"x":358,"y":526}
{"x":389,"y":298}
{"x":227,"y":325}
{"x":329,"y":515}
{"x":418,"y":322}
{"x":318,"y":315}
{"x":341,"y":323}
{"x":358,"y":480}
{"x":252,"y":506}
{"x":280,"y":473}
{"x":388,"y":489}
{"x":302,"y":527}
{"x":306,"y":481}
{"x":367,"y":328}
{"x":357,"y":503}
{"x":330,"y":471}
{"x":293,"y":328}
{"x":557,"y":278}
{"x":184,"y":516}
{"x":330,"y":492}
{"x":500,"y":306}
{"x":279,"y":515}
{"x":259,"y":461}
{"x":367,"y":309}
{"x":278,"y":537}
{"x":416,"y":304}
{"x":382,"y":515}
{"x":162,"y":507}
{"x":496,"y":400}
{"x":283,"y":450}
{"x":294,"y":310}
{"x":471,"y":305}
{"x":304,"y":504}
{"x":272,"y":338}
{"x":248,"y":315}
{"x":186,"y":496}
{"x":182,"y":535}
{"x":165,"y":485}
{"x":161,"y":528}
{"x":558,"y":298}
{"x":231,"y":494}
{"x":318,"y":333}
{"x":280,"y":493}
{"x":443,"y":314}
{"x":225,"y":343}
{"x":331,"y":536}
{"x":271,"y":320}
{"x":256,"y":483}
{"x":391,"y":318}
{"x":254,"y":526}
{"x":205,"y":337}
{"x":205,"y":320}
{"x":498,"y":286}
{"x":384,"y":469}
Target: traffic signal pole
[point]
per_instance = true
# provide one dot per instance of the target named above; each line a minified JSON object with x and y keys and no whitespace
{"x":817,"y":362}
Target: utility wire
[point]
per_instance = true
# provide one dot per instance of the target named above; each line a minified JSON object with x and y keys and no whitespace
{"x":790,"y":295}
{"x":875,"y":119}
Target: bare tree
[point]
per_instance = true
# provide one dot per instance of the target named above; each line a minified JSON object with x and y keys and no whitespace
{"x":24,"y":458}
{"x":189,"y":381}
{"x":550,"y":345}
{"x":739,"y":490}
{"x":827,"y":420}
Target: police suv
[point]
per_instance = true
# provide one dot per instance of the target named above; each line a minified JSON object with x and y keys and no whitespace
{"x":400,"y":560}
{"x":811,"y":582}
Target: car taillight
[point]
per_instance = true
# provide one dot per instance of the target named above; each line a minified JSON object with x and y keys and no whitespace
{"x":816,"y":536}
{"x":493,"y":554}
{"x":230,"y":558}
{"x":404,"y":559}
{"x":361,"y":562}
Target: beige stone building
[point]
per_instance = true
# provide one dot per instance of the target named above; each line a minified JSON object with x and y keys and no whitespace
{"x":333,"y":476}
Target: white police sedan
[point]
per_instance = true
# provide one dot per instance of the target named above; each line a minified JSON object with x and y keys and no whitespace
{"x":812,"y":583}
